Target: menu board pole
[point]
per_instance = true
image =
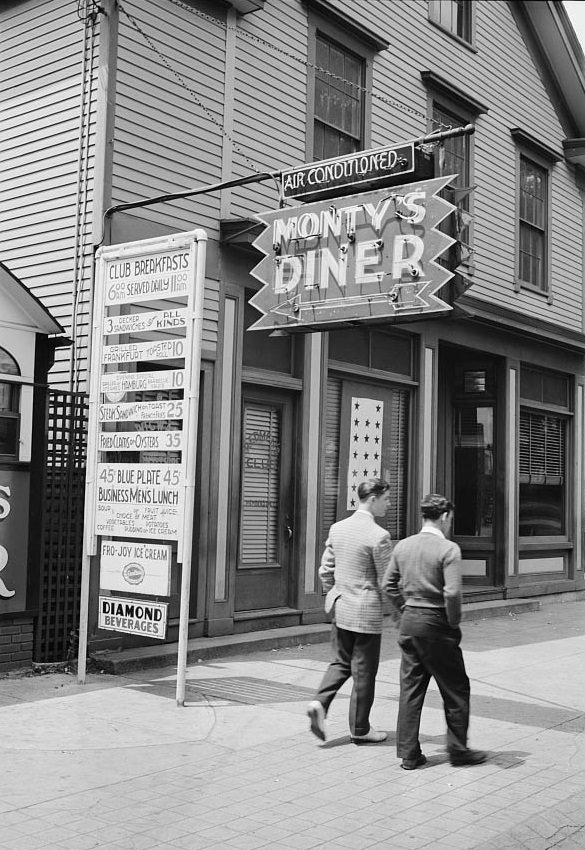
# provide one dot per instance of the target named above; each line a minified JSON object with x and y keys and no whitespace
{"x":89,"y":538}
{"x":186,"y":539}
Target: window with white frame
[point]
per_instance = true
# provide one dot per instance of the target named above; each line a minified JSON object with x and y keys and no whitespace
{"x":454,"y":16}
{"x":453,"y":157}
{"x":338,"y":121}
{"x":532,"y":224}
{"x":535,"y":162}
{"x":545,"y":417}
{"x":9,"y":407}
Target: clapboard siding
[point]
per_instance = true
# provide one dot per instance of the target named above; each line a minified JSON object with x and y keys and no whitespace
{"x":269,"y":117}
{"x":41,"y":49}
{"x":184,"y":144}
{"x":170,"y":133}
{"x":164,"y":140}
{"x":503,"y":75}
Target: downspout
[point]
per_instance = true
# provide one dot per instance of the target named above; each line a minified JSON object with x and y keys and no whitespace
{"x":81,"y":194}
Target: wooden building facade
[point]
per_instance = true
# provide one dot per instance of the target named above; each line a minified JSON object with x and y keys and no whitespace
{"x":140,"y":99}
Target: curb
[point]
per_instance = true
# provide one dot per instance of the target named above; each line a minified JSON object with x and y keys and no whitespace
{"x":205,"y":648}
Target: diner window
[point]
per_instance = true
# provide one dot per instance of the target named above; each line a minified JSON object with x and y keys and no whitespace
{"x":453,"y":16}
{"x":9,"y":407}
{"x":543,"y":453}
{"x":532,"y":224}
{"x":373,"y":349}
{"x":338,"y":124}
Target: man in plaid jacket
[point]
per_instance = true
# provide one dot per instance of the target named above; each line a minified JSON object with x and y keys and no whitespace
{"x":357,"y":553}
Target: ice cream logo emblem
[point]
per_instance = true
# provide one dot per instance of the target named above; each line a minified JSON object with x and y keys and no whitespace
{"x":133,"y":573}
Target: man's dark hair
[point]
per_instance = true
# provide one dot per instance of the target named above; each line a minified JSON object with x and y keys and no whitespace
{"x":434,"y":506}
{"x":372,"y":487}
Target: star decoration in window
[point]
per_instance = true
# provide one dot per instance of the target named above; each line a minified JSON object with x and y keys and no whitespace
{"x":362,"y":462}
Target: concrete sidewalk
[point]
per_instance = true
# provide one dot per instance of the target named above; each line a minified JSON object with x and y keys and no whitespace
{"x":116,"y":764}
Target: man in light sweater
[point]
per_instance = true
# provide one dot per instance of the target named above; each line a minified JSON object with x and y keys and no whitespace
{"x":423,"y":581}
{"x":357,"y":553}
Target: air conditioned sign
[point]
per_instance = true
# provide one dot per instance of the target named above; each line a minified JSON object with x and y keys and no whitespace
{"x":364,"y":257}
{"x":327,"y":175}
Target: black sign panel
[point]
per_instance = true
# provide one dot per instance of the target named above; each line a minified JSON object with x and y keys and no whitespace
{"x":327,"y":177}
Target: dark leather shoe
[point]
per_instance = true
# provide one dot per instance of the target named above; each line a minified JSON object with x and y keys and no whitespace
{"x":467,"y":757}
{"x":412,"y":764}
{"x":316,"y":714}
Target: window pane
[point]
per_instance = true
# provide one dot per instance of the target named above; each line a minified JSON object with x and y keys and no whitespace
{"x":454,"y":158}
{"x":542,"y":474}
{"x":541,"y":510}
{"x":531,"y":258}
{"x":456,"y":150}
{"x":8,"y":365}
{"x":454,"y":15}
{"x":555,"y":389}
{"x":391,"y":353}
{"x":351,"y":346}
{"x":8,"y":435}
{"x":9,"y":397}
{"x":261,"y":351}
{"x":474,"y":471}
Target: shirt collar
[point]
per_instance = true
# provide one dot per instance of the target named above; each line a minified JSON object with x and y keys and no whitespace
{"x":363,"y":511}
{"x":430,"y":529}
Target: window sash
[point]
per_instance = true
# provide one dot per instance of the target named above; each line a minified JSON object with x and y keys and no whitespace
{"x":338,"y":101}
{"x":453,"y":15}
{"x":533,"y":224}
{"x":456,"y":159}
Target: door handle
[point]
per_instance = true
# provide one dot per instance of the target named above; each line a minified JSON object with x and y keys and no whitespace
{"x":289,"y":531}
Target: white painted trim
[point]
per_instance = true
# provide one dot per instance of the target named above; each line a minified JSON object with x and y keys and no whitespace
{"x":512,"y":474}
{"x":227,"y":390}
{"x":579,"y":478}
{"x":528,"y":566}
{"x":427,"y":452}
{"x":315,"y":342}
{"x":474,"y":567}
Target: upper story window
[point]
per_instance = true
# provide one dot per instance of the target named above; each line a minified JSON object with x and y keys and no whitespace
{"x":450,"y":108}
{"x":453,"y":157}
{"x":534,"y":175}
{"x":9,"y":407}
{"x":455,"y":16}
{"x":339,"y":100}
{"x":533,"y":224}
{"x":341,"y":53}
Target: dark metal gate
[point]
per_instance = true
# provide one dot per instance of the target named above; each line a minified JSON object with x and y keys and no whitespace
{"x":61,"y":526}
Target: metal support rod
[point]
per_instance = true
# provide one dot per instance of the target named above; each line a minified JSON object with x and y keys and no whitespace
{"x":201,"y":190}
{"x":467,"y":130}
{"x":260,"y":178}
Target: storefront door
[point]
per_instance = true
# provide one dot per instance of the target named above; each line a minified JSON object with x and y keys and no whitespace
{"x":470,"y":461}
{"x":367,"y":437}
{"x":266,"y":526}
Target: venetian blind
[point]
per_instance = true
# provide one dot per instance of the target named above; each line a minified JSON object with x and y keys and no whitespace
{"x":261,"y":471}
{"x":331,"y":471}
{"x":399,"y":428}
{"x":542,"y":448}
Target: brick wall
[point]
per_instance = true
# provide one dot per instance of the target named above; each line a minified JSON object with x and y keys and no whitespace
{"x":16,"y":643}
